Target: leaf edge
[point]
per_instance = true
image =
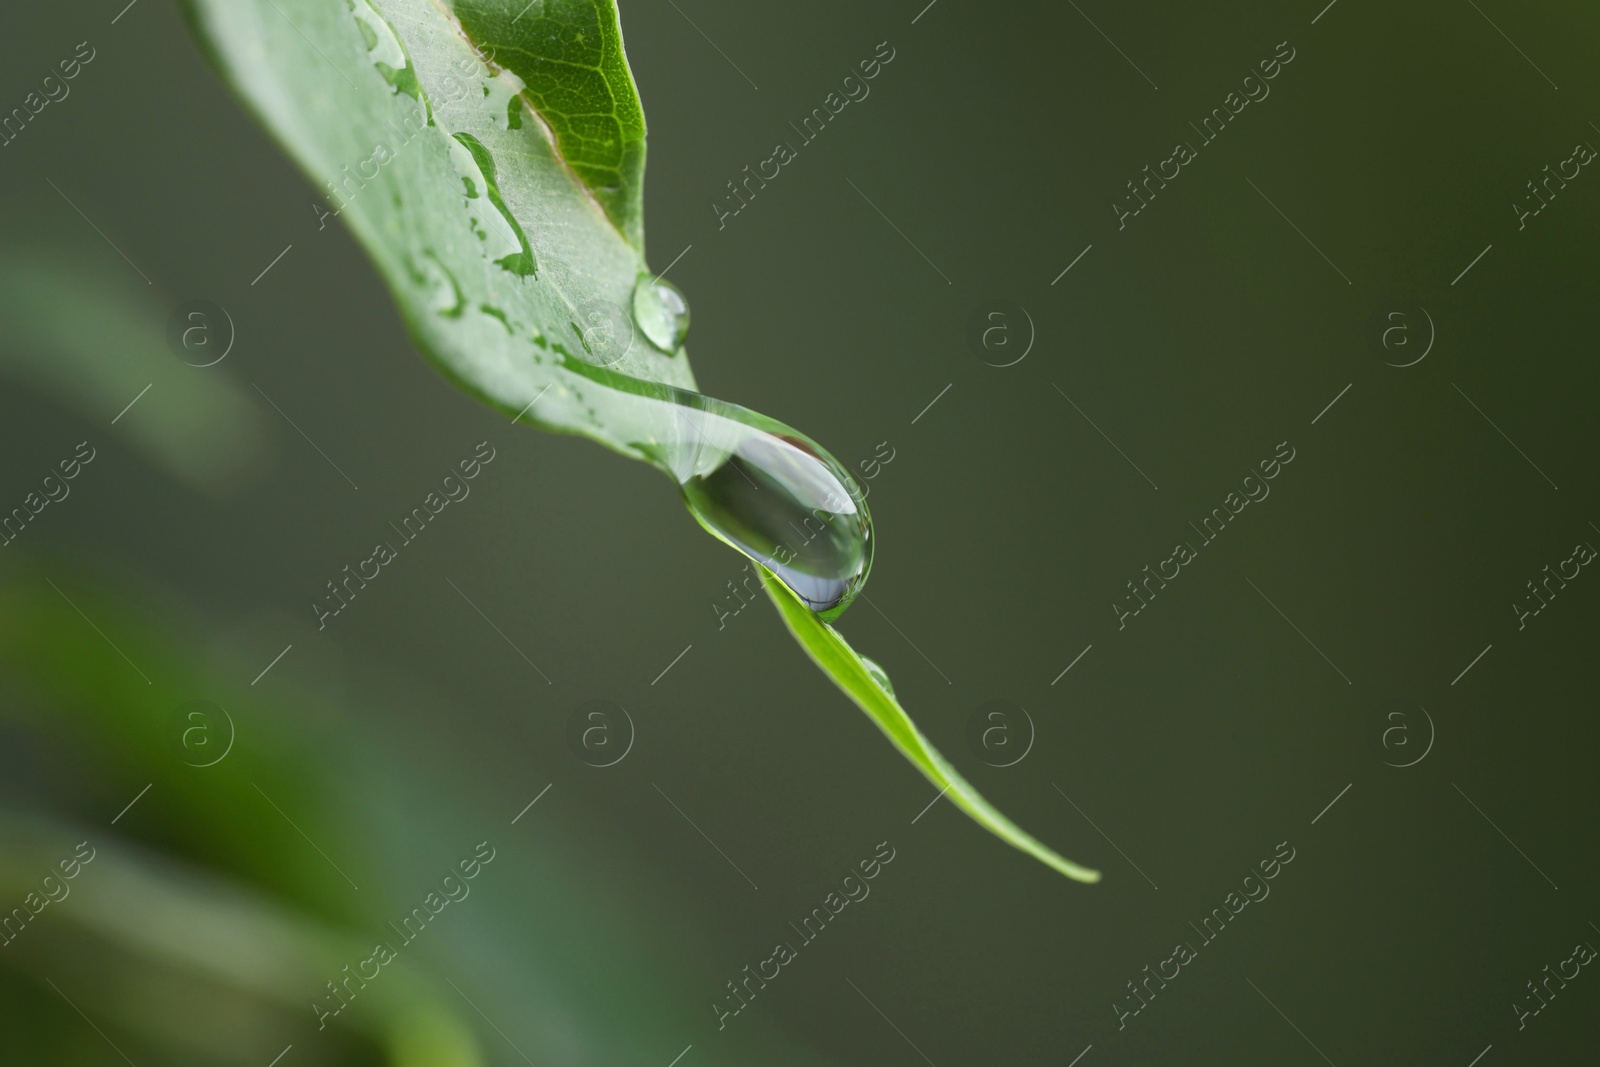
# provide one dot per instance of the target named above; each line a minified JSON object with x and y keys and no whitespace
{"x":844,"y":665}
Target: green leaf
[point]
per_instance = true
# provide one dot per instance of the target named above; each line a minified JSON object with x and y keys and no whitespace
{"x":867,"y":684}
{"x":209,"y":919}
{"x":505,"y":216}
{"x":569,"y":55}
{"x":490,"y":164}
{"x":143,"y":925}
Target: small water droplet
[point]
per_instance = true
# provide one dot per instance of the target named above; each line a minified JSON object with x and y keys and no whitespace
{"x":878,"y":674}
{"x":662,"y":312}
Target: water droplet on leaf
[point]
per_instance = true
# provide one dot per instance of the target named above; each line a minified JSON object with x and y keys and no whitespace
{"x":778,"y":497}
{"x":877,"y":673}
{"x":754,"y":483}
{"x":662,"y":312}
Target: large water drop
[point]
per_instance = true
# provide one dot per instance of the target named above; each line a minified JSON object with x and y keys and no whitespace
{"x":765,"y":488}
{"x":662,"y":312}
{"x":752,"y":482}
{"x":779,"y":498}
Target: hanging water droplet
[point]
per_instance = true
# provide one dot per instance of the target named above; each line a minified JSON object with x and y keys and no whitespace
{"x":779,"y":498}
{"x":762,"y":487}
{"x":662,"y":312}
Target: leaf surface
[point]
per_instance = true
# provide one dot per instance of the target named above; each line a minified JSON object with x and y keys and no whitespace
{"x":490,"y":164}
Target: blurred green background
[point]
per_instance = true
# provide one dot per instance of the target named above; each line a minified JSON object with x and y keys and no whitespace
{"x":1196,"y":739}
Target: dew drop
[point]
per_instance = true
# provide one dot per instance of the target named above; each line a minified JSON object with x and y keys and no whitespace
{"x":877,"y":673}
{"x":779,"y":498}
{"x":752,"y":482}
{"x":662,"y":312}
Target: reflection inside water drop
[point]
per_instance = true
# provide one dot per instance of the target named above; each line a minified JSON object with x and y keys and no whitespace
{"x":662,"y":312}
